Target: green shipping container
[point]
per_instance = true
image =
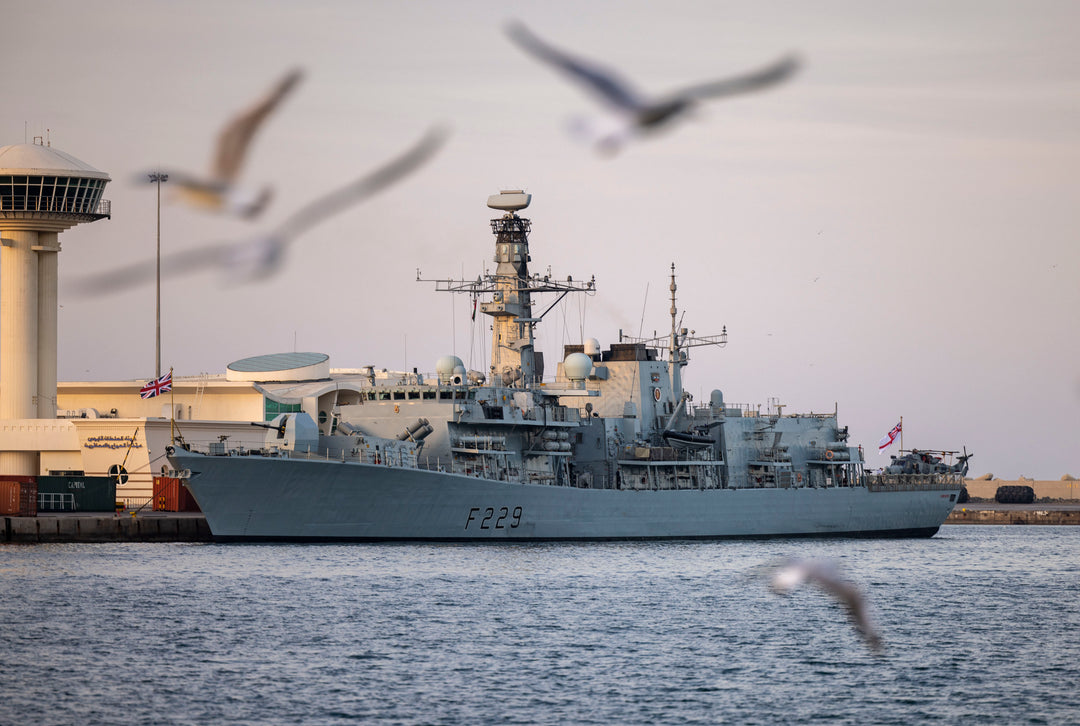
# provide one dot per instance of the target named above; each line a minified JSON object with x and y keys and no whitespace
{"x":76,"y":493}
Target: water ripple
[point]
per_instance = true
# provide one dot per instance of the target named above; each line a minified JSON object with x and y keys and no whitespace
{"x":980,"y":626}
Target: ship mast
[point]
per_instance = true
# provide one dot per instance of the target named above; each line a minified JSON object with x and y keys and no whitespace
{"x":512,"y":351}
{"x":511,"y":287}
{"x":678,"y":341}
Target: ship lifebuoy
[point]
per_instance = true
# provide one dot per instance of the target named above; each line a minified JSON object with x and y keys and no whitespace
{"x":798,"y":477}
{"x":829,"y":455}
{"x":656,"y":393}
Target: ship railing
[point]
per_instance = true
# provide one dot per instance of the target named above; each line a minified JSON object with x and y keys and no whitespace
{"x":389,"y":456}
{"x":912,"y":482}
{"x":397,"y":456}
{"x":748,"y":410}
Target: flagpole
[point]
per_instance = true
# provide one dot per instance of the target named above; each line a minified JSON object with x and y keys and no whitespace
{"x":172,"y":407}
{"x":901,"y":434}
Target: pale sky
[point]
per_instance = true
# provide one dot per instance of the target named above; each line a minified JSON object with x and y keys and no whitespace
{"x":893,"y":232}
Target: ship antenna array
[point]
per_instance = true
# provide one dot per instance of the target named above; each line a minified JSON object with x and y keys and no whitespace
{"x":486,"y":283}
{"x":680,"y":338}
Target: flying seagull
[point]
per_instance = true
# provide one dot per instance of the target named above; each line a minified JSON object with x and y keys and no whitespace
{"x":219,"y":191}
{"x":824,"y":574}
{"x":635,"y":113}
{"x":261,"y":256}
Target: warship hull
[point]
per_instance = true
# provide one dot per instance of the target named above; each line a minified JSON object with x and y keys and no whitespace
{"x":285,"y":499}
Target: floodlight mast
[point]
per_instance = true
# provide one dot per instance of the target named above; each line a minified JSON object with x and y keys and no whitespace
{"x":158,"y":178}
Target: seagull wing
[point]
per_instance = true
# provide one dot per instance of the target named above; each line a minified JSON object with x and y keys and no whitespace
{"x":600,"y":81}
{"x":234,"y":139}
{"x":753,"y":81}
{"x":259,"y":257}
{"x":366,"y":186}
{"x":824,"y":575}
{"x":140,"y":273}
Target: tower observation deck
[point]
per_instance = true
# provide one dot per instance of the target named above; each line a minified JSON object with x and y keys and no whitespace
{"x":43,"y":192}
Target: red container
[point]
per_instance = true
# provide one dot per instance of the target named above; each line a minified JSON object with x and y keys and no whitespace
{"x":18,"y":495}
{"x":170,"y":495}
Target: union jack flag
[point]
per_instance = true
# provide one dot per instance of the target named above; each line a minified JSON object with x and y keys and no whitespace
{"x":887,"y":439}
{"x":157,"y":386}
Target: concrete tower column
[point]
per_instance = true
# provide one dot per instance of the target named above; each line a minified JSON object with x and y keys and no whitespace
{"x":18,"y":339}
{"x":43,"y":192}
{"x":47,"y":253}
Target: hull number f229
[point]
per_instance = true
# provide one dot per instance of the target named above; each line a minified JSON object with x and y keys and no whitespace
{"x":493,"y":518}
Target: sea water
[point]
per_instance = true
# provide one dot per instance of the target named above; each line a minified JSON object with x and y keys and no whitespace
{"x":980,"y":625}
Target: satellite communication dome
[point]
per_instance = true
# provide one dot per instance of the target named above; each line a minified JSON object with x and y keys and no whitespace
{"x":450,"y":369}
{"x":445,"y":366}
{"x":577,"y":366}
{"x":592,"y":347}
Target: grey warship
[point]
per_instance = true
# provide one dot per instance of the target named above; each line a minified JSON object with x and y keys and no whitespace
{"x":612,"y":448}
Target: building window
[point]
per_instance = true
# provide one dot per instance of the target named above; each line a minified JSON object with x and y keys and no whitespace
{"x":271,"y":408}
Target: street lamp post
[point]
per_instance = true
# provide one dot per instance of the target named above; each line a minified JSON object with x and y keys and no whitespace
{"x":158,"y":178}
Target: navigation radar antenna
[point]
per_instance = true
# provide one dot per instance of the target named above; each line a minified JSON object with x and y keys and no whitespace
{"x":509,"y":200}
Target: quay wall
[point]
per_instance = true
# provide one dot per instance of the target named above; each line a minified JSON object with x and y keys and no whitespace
{"x":106,"y":528}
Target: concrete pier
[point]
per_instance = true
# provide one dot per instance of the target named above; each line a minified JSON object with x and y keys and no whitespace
{"x":100,"y":527}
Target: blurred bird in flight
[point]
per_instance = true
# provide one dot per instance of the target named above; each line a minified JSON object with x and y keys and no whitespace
{"x":821,"y":573}
{"x":219,"y":191}
{"x":636,"y":114}
{"x":261,"y":256}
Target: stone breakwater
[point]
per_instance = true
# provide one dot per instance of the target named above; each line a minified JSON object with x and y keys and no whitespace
{"x":994,"y":513}
{"x":1065,"y":489}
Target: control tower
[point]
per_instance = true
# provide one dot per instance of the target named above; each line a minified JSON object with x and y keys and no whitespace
{"x":43,"y":192}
